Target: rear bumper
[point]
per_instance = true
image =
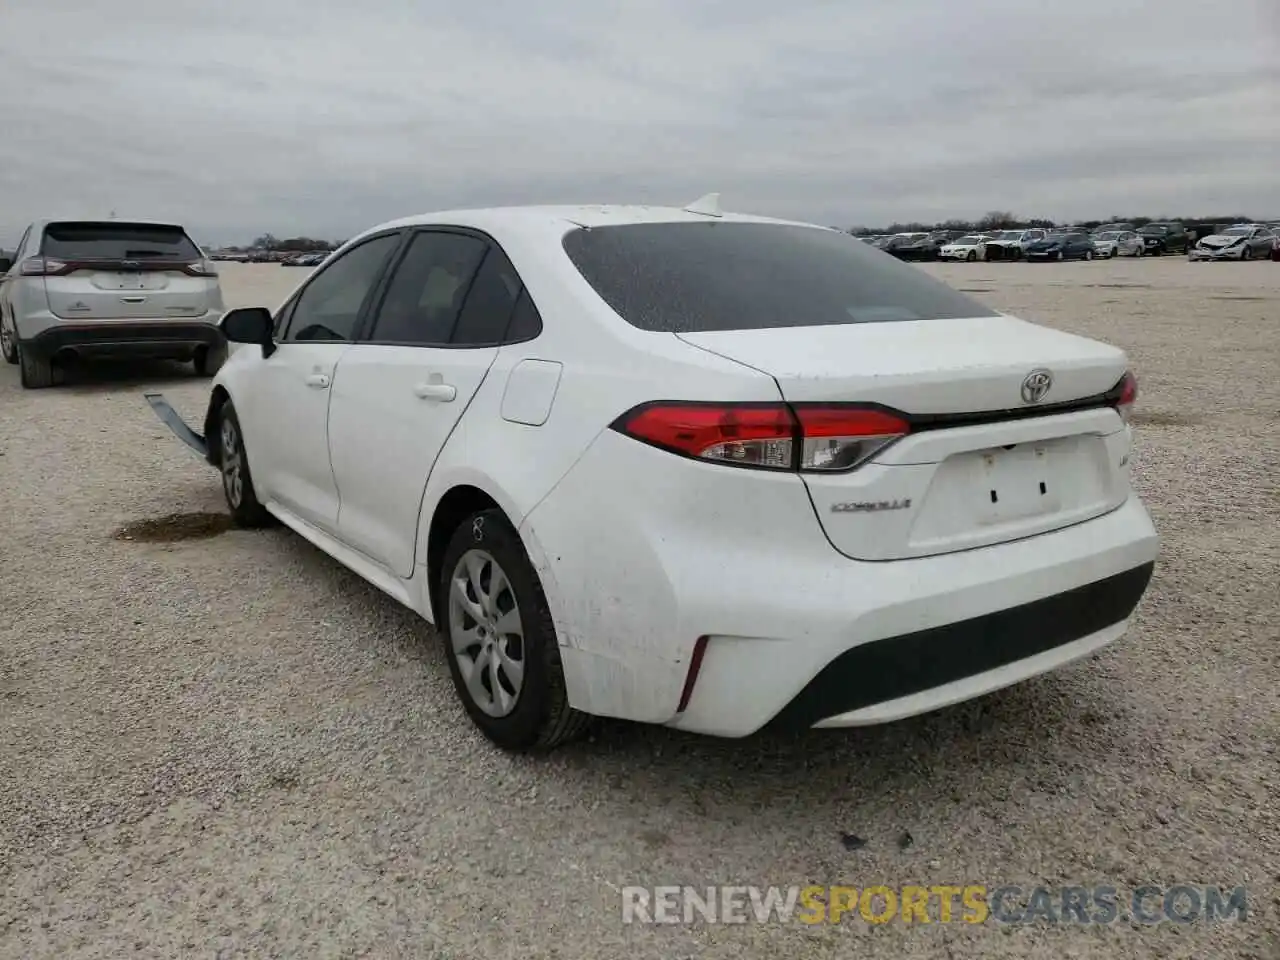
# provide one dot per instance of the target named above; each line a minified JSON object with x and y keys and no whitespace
{"x":133,"y":338}
{"x":906,"y":674}
{"x":799,"y":635}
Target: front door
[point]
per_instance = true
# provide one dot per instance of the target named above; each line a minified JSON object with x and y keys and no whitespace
{"x":287,"y":433}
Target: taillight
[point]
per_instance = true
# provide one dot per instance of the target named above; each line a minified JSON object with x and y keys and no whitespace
{"x":770,"y":436}
{"x":841,"y":437}
{"x":45,"y":267}
{"x":1127,"y":395}
{"x":201,"y":268}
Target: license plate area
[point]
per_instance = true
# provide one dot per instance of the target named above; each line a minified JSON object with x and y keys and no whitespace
{"x":1016,"y":483}
{"x":119,"y":281}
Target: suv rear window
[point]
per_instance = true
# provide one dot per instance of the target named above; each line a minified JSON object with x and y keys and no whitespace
{"x":117,"y":241}
{"x":704,"y":277}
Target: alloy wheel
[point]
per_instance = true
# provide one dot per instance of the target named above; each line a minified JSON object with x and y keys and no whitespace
{"x":232,"y":461}
{"x":486,"y":633}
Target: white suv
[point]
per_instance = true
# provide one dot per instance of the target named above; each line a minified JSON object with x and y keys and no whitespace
{"x":82,"y":288}
{"x":687,"y":468}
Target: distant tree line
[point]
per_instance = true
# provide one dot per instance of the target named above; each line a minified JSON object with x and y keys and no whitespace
{"x":1004,"y":220}
{"x":292,"y":244}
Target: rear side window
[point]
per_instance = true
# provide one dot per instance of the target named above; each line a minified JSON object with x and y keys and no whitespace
{"x":113,"y":240}
{"x":704,"y":277}
{"x":487,"y":310}
{"x":526,"y":322}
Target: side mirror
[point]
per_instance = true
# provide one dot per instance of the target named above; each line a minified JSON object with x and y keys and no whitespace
{"x":249,"y":325}
{"x":6,"y":264}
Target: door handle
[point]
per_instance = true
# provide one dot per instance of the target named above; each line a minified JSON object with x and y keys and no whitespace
{"x":317,"y":380}
{"x":444,"y":392}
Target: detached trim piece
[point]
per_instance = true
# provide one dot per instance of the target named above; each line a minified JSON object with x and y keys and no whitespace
{"x":171,"y":419}
{"x":884,"y":670}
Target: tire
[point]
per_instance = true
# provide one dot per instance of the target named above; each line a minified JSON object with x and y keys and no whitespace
{"x":526,"y":714}
{"x":8,"y":343}
{"x":1246,"y":253}
{"x":1061,"y":256}
{"x":972,"y":256}
{"x":1088,"y":255}
{"x":237,"y":480}
{"x":209,"y":360}
{"x":36,"y":372}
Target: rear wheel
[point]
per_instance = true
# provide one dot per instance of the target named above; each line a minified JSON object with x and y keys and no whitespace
{"x":972,"y":256}
{"x":1246,"y":253}
{"x":1088,"y":254}
{"x":237,"y":481}
{"x":8,"y":342}
{"x":36,"y":371}
{"x":499,"y":639}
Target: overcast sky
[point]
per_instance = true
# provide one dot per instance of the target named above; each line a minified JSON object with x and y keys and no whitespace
{"x":327,"y":116}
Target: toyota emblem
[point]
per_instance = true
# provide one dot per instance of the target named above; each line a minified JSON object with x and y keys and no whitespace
{"x":1036,"y":385}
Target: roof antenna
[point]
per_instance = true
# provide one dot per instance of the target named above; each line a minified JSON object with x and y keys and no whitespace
{"x":707,"y":206}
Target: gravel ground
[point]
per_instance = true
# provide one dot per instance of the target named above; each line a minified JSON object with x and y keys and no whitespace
{"x":231,"y":746}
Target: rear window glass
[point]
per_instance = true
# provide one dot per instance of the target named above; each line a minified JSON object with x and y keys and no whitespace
{"x":703,"y":277}
{"x":117,"y":241}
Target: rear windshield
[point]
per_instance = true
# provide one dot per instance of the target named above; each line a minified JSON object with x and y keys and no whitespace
{"x":704,"y":277}
{"x":117,"y":241}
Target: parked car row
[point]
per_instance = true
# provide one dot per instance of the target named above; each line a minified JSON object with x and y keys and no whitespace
{"x":1244,"y":241}
{"x":305,"y":260}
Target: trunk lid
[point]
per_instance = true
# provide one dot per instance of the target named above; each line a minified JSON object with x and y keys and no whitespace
{"x":93,"y":293}
{"x":978,"y":467}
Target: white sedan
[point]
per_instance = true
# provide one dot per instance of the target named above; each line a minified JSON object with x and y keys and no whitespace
{"x":1118,"y":243}
{"x":965,"y":248}
{"x":687,"y":468}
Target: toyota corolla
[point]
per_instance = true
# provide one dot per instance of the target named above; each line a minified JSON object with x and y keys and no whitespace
{"x":682,"y":467}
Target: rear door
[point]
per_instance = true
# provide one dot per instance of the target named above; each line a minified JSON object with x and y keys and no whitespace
{"x":114,"y":270}
{"x":399,"y":393}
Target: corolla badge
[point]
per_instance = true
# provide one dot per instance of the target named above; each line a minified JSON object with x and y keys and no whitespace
{"x":1035,"y":385}
{"x":870,"y":506}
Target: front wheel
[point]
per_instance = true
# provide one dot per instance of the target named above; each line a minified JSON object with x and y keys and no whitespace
{"x":1246,"y":253}
{"x":237,"y":480}
{"x":500,"y":641}
{"x":1088,"y":254}
{"x":972,"y":256}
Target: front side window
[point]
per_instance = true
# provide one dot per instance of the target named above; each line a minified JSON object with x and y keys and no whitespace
{"x":704,"y":277}
{"x":425,"y":294}
{"x":330,"y":306}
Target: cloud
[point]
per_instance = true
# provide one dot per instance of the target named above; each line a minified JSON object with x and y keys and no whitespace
{"x":326,"y":116}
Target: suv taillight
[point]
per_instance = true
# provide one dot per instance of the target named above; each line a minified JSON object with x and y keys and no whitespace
{"x":811,"y":437}
{"x":44,"y":267}
{"x":1126,"y":395}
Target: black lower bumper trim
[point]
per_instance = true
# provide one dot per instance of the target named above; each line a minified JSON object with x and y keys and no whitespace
{"x":896,"y":667}
{"x":165,"y":338}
